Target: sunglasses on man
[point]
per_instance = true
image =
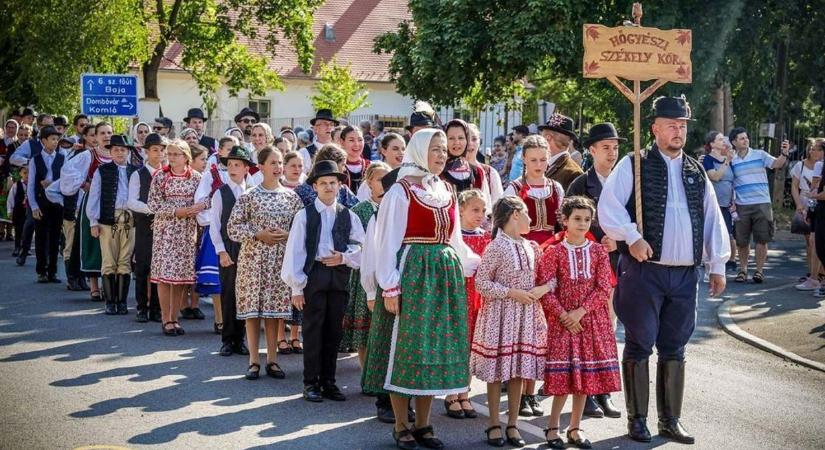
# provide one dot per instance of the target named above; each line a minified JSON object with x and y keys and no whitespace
{"x":157,"y":128}
{"x":248,"y":120}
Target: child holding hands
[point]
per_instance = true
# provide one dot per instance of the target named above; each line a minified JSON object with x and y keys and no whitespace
{"x":511,"y":333}
{"x":581,"y":349}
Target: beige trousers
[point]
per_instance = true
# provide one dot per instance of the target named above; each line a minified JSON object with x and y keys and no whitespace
{"x":117,"y":242}
{"x":68,"y":236}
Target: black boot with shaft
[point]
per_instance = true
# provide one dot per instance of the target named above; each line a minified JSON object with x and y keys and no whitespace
{"x":123,"y":292}
{"x":110,"y":293}
{"x":670,"y":389}
{"x":637,"y":394}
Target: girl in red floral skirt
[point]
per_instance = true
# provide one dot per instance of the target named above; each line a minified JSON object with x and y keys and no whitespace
{"x":581,"y":345}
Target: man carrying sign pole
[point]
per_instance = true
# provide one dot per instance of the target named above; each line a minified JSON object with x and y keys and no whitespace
{"x":662,"y":249}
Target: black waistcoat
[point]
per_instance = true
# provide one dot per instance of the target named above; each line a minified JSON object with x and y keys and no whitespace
{"x":311,"y":149}
{"x":40,"y":165}
{"x":227,"y":203}
{"x":588,"y":185}
{"x":19,"y":195}
{"x":654,"y":201}
{"x":70,"y":201}
{"x":109,"y":175}
{"x":143,"y":221}
{"x":340,"y":232}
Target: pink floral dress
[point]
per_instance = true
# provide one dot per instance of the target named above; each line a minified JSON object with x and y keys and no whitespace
{"x":175,"y":240}
{"x":510,"y":339}
{"x":584,"y":363}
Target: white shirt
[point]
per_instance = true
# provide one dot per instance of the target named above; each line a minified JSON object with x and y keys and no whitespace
{"x":22,"y":155}
{"x":495,"y":190}
{"x":48,"y":159}
{"x":216,"y":212}
{"x":122,"y":196}
{"x":677,"y":243}
{"x":369,"y":258}
{"x":364,"y":192}
{"x":392,"y":224}
{"x":10,"y":199}
{"x":292,"y":271}
{"x":133,"y":202}
{"x":205,"y":189}
{"x":306,"y":156}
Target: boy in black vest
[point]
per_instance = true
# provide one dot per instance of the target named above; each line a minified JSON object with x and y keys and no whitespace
{"x":146,"y":293}
{"x":324,"y":243}
{"x":237,"y":164}
{"x":75,"y":281}
{"x":44,"y":169}
{"x":111,"y":222}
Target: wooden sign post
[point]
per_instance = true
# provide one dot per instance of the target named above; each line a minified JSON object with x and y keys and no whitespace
{"x":638,"y":54}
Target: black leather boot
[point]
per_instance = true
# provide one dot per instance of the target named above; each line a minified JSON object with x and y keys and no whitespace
{"x":637,"y":395}
{"x":591,"y":408}
{"x":606,"y":404}
{"x":670,"y":389}
{"x":123,"y":293}
{"x":109,"y":293}
{"x":82,"y":284}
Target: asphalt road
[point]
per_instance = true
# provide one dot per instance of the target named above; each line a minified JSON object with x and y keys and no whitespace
{"x":72,"y":377}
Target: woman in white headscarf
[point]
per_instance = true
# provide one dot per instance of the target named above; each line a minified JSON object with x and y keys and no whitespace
{"x":418,"y":343}
{"x":139,"y":133}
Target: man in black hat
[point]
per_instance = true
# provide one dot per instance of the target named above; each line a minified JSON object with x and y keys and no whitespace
{"x":44,"y":169}
{"x":244,"y":121}
{"x":657,"y":288}
{"x":559,"y":131}
{"x":61,"y":123}
{"x":163,"y":126}
{"x":196,"y":120}
{"x":146,"y":293}
{"x":111,"y":222}
{"x":603,"y":142}
{"x":324,"y":244}
{"x":322,"y":125}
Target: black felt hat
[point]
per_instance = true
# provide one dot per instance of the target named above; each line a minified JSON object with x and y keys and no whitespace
{"x":324,"y":114}
{"x":561,"y":124}
{"x":120,"y":140}
{"x":389,"y":179}
{"x":671,"y":108}
{"x":165,"y":121}
{"x":47,"y":131}
{"x":154,"y":139}
{"x":61,"y":121}
{"x":195,"y":113}
{"x":239,"y":153}
{"x":247,"y":112}
{"x":601,"y":132}
{"x":325,"y":169}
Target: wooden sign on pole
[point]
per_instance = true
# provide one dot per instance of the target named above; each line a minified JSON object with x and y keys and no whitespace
{"x":638,"y":54}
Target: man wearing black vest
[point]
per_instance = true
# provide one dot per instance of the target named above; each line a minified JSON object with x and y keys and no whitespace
{"x":322,"y":125}
{"x":324,"y":244}
{"x":237,"y":164}
{"x":44,"y":169}
{"x":658,"y":269}
{"x":146,"y":293}
{"x":111,"y":222}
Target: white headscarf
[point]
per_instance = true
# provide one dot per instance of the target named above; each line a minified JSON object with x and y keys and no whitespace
{"x":134,"y":135}
{"x":415,"y":157}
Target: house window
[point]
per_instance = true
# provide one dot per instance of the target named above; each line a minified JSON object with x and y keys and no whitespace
{"x":262,"y":107}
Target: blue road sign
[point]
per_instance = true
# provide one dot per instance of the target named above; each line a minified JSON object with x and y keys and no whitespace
{"x":108,"y":94}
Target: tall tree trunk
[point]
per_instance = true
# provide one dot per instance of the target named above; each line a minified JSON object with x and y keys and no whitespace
{"x":717,"y":112}
{"x":728,"y":108}
{"x":782,"y":86}
{"x":150,"y":72}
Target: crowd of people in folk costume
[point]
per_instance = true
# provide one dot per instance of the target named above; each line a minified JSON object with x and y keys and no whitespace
{"x":423,"y":261}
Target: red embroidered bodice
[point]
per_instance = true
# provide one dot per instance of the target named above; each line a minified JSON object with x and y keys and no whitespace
{"x":427,"y":224}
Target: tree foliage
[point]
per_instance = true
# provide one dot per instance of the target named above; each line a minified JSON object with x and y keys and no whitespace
{"x":221,"y":43}
{"x":337,"y":90}
{"x":48,"y":45}
{"x":476,"y":49}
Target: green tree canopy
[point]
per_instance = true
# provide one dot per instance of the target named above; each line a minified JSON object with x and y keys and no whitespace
{"x":337,"y":90}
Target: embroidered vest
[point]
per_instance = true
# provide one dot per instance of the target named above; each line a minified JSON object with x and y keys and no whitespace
{"x":654,"y":201}
{"x":109,"y":185}
{"x":427,"y":224}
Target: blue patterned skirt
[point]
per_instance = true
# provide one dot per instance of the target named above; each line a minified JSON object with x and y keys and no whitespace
{"x":208,"y":281}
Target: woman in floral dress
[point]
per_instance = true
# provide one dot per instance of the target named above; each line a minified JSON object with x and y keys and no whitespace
{"x":260,"y":221}
{"x":175,"y":240}
{"x":421,"y":265}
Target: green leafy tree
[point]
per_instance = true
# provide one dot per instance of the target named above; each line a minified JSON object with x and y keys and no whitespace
{"x":48,"y":45}
{"x":337,"y":90}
